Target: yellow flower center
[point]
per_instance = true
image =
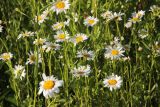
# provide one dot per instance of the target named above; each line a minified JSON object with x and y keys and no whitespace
{"x":6,"y":56}
{"x":80,"y":72}
{"x":48,"y":84}
{"x":86,"y":55}
{"x":60,"y":5}
{"x":112,"y":82}
{"x":32,"y":58}
{"x":61,"y":36}
{"x":58,"y":26}
{"x":39,"y":18}
{"x":79,"y":39}
{"x":90,"y":22}
{"x":114,"y":52}
{"x":135,"y":19}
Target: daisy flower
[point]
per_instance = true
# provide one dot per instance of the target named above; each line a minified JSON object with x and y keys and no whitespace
{"x":106,"y":14}
{"x":41,"y":18}
{"x":19,"y":71}
{"x":80,"y":37}
{"x":50,"y":46}
{"x":33,"y":57}
{"x":112,"y":82}
{"x":89,"y":55}
{"x":49,"y":86}
{"x":136,"y":17}
{"x":81,"y":71}
{"x":39,"y":41}
{"x":60,"y":6}
{"x":114,"y":52}
{"x":61,"y":36}
{"x":26,"y":34}
{"x":60,"y":25}
{"x":90,"y":21}
{"x":6,"y":56}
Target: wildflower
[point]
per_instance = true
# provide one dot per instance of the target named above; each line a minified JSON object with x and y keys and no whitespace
{"x":81,"y":71}
{"x":61,"y":6}
{"x":39,"y":41}
{"x":109,"y":15}
{"x":6,"y":56}
{"x":114,"y":52}
{"x":60,"y":25}
{"x":112,"y":82}
{"x":41,"y":18}
{"x":26,"y":34}
{"x":50,"y":46}
{"x":79,"y":38}
{"x":19,"y":71}
{"x":106,"y":14}
{"x":89,"y":55}
{"x":90,"y":21}
{"x":61,"y":36}
{"x":33,"y":57}
{"x":49,"y":86}
{"x":136,"y":17}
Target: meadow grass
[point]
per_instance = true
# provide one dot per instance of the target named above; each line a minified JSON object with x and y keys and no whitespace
{"x":138,"y":67}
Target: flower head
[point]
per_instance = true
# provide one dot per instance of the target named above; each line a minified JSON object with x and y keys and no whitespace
{"x":89,"y":55}
{"x":49,"y":86}
{"x":114,"y":52}
{"x":112,"y":82}
{"x":19,"y":71}
{"x":48,"y":46}
{"x":60,"y":6}
{"x":6,"y":56}
{"x":90,"y":21}
{"x":33,"y":57}
{"x":39,"y":41}
{"x":26,"y":34}
{"x":81,"y":71}
{"x":60,"y":25}
{"x":80,"y":37}
{"x":61,"y":36}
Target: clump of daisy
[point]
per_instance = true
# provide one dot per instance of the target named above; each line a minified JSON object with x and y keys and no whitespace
{"x":39,"y":41}
{"x":109,"y":15}
{"x":60,"y":25}
{"x":89,"y":55}
{"x":114,"y":51}
{"x":90,"y":21}
{"x":136,"y":17}
{"x":61,"y":36}
{"x":26,"y":34}
{"x":155,"y":10}
{"x":78,"y":38}
{"x":81,"y":71}
{"x":142,"y":33}
{"x":33,"y":57}
{"x":19,"y":72}
{"x":60,"y":6}
{"x":49,"y":46}
{"x":112,"y":82}
{"x":6,"y":56}
{"x":49,"y":86}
